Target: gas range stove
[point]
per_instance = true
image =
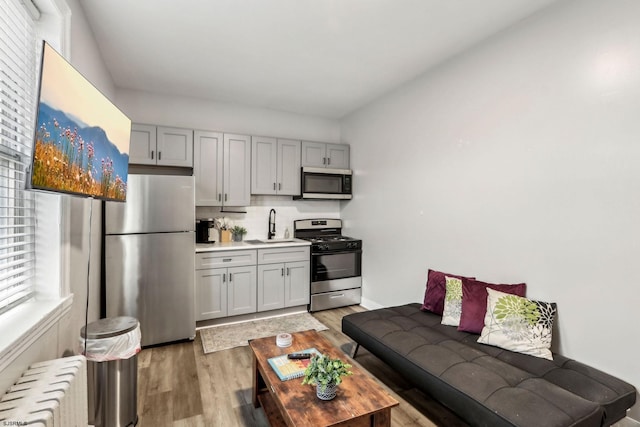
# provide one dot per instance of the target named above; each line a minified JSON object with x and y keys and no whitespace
{"x":336,"y":263}
{"x":325,"y":235}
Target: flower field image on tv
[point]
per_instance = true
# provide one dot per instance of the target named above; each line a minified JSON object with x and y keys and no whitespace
{"x":74,"y":158}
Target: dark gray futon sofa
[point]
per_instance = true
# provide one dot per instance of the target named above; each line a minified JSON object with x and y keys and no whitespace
{"x":485,"y":385}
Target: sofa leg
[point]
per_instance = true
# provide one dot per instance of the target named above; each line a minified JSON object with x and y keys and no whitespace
{"x":355,"y":351}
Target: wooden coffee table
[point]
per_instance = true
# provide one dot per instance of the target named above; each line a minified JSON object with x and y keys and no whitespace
{"x":360,"y":400}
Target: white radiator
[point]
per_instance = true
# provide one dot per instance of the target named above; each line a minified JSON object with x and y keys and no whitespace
{"x":51,"y":394}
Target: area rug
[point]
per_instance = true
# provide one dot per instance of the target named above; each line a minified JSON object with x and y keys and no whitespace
{"x":224,"y":337}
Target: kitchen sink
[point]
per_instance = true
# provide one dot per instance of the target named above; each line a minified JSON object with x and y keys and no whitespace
{"x":260,"y":241}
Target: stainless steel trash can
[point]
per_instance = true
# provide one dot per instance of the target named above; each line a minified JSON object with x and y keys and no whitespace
{"x":112,"y":384}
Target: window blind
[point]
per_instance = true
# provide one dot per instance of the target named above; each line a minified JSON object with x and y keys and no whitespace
{"x":18,"y":71}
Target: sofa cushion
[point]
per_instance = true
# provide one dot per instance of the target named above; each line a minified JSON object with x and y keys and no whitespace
{"x":518,"y":324}
{"x":474,"y":302}
{"x":435,"y":291}
{"x":488,"y":385}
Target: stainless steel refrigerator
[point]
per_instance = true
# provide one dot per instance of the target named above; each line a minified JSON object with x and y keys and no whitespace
{"x":150,"y":257}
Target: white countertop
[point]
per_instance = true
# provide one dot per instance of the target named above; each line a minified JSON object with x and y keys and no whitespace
{"x":233,"y":246}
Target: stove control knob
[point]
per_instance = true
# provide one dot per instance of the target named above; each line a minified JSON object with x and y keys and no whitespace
{"x":325,"y":247}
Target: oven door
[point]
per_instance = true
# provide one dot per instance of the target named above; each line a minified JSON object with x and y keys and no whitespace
{"x":335,"y":265}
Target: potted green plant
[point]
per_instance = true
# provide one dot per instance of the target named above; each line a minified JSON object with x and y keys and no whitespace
{"x":326,"y":374}
{"x":238,"y":232}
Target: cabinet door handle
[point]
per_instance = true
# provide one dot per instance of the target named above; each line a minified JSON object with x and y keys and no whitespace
{"x":288,"y":271}
{"x":219,"y":196}
{"x":159,"y":155}
{"x":230,"y":277}
{"x":225,"y":197}
{"x":274,"y":185}
{"x":282,"y":272}
{"x":226,"y":259}
{"x":324,"y":160}
{"x":328,"y":160}
{"x":224,"y":278}
{"x":151,"y":154}
{"x":279,"y":186}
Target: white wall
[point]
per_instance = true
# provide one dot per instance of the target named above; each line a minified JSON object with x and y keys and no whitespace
{"x":193,"y":113}
{"x":516,"y":161}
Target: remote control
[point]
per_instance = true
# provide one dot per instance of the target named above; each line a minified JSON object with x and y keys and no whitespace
{"x":299,"y":356}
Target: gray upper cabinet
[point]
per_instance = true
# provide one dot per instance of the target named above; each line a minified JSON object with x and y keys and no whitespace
{"x":143,"y":144}
{"x":163,"y":146}
{"x":236,"y":170}
{"x":289,"y":163}
{"x":207,"y":170}
{"x":222,"y":169}
{"x":325,"y":155}
{"x":275,"y":166}
{"x":264,"y":160}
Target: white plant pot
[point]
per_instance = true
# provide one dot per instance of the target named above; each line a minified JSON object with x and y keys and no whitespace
{"x":326,"y":393}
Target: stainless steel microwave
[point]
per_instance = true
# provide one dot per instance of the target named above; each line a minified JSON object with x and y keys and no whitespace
{"x":326,"y":184}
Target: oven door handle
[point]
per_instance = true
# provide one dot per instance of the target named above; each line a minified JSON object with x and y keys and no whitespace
{"x":348,"y":251}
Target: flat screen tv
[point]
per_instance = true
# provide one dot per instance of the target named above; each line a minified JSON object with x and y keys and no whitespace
{"x":81,"y":142}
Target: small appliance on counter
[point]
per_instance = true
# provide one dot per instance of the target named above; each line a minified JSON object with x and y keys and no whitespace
{"x":206,"y":231}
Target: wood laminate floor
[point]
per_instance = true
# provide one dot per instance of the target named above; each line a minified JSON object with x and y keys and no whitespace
{"x":179,"y":385}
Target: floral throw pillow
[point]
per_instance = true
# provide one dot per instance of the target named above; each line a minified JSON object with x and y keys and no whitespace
{"x":452,"y":301}
{"x":518,"y":324}
{"x":434,"y":293}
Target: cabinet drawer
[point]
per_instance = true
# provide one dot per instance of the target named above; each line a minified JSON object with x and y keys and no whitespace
{"x":286,"y":254}
{"x":225,"y":259}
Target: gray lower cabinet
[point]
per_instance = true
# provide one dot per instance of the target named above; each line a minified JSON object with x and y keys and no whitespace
{"x":229,"y":283}
{"x":283,"y":278}
{"x":211,"y":294}
{"x":223,"y":292}
{"x":241,"y":290}
{"x":225,"y":284}
{"x":297,"y":283}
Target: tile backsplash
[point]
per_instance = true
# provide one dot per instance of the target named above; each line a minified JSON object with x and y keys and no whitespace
{"x":256,"y":219}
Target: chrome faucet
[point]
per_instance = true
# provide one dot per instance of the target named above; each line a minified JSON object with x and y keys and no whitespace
{"x":272,"y":224}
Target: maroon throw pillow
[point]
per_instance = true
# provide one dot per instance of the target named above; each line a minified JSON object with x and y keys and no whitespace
{"x":436,"y":289}
{"x":474,"y":302}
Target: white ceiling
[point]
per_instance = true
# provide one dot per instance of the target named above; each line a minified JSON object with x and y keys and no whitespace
{"x":319,"y":57}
